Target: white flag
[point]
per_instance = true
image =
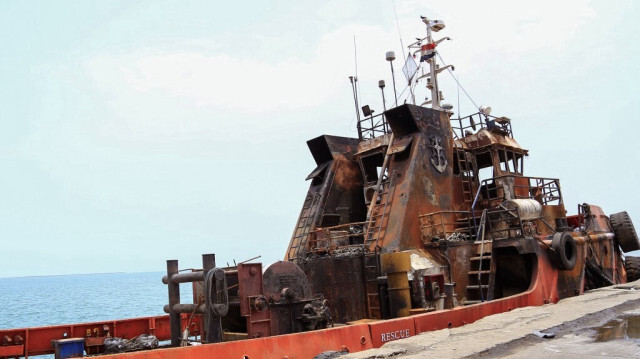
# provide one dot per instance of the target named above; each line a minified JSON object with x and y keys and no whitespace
{"x":409,"y":69}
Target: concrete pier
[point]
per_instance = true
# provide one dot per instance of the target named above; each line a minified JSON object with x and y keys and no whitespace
{"x":510,"y":335}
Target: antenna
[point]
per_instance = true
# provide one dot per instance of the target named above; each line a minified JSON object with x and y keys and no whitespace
{"x":390,"y":57}
{"x":381,"y":85}
{"x":354,"y":80}
{"x":355,"y":59}
{"x":393,"y":3}
{"x":354,"y":87}
{"x":384,"y":106}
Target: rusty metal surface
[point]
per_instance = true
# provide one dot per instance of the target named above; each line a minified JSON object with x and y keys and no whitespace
{"x":283,"y":275}
{"x":340,"y":280}
{"x":421,"y":177}
{"x":253,"y":304}
{"x":395,"y":266}
{"x":359,"y":337}
{"x":334,"y":193}
{"x":372,"y":144}
{"x":485,"y":138}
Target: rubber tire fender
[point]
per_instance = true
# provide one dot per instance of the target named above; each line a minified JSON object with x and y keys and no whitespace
{"x":565,"y":250}
{"x":632,"y":267}
{"x":626,"y":235}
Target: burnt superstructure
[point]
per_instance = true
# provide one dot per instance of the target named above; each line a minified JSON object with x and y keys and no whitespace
{"x":448,"y":205}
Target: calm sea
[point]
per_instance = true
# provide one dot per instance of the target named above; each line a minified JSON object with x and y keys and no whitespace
{"x":50,"y":300}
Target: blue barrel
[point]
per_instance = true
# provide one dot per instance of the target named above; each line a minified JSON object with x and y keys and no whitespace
{"x":68,"y":348}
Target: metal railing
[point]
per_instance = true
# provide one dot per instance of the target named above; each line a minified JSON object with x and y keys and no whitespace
{"x":445,"y":225}
{"x":504,"y":223}
{"x":463,"y":124}
{"x":372,"y":127}
{"x":544,"y":190}
{"x":336,"y":237}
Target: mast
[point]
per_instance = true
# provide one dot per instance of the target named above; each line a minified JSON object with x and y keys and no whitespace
{"x":428,"y":54}
{"x":430,"y":47}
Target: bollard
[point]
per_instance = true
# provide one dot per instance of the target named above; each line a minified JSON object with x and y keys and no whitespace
{"x":174,"y":298}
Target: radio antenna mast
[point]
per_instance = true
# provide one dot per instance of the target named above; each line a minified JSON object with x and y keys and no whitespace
{"x":390,"y":57}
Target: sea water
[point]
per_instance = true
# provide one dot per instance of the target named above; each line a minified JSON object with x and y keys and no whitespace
{"x":51,"y":300}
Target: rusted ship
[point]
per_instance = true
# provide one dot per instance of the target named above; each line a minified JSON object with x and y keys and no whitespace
{"x":399,"y":233}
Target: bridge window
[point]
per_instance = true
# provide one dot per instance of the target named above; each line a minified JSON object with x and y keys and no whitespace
{"x":510,"y":161}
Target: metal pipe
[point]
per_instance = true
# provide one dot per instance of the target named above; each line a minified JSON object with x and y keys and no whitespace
{"x":185,"y":277}
{"x":174,"y":298}
{"x":197,"y":276}
{"x":381,"y":85}
{"x":186,"y":308}
{"x":250,"y":259}
{"x":448,"y":292}
{"x":435,"y":93}
{"x":384,"y":107}
{"x":590,"y":238}
{"x":393,"y":75}
{"x":354,"y":87}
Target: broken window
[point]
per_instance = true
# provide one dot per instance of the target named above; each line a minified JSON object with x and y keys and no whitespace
{"x":317,"y":176}
{"x":371,"y":166}
{"x":510,"y":161}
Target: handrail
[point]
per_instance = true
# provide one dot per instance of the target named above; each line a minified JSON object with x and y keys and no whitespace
{"x":483,"y":123}
{"x":493,"y":179}
{"x":473,"y":206}
{"x":437,"y":223}
{"x":483,"y":221}
{"x":378,"y":125}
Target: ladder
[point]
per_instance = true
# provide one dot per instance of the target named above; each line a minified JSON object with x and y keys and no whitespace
{"x":375,"y":225}
{"x":303,"y":227}
{"x":481,"y":267}
{"x":374,"y":232}
{"x":467,"y":176}
{"x":371,"y":274}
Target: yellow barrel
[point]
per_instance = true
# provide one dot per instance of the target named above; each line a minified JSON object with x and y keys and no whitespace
{"x":396,"y":266}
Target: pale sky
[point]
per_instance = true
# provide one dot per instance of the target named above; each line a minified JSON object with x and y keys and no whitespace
{"x":139,"y":131}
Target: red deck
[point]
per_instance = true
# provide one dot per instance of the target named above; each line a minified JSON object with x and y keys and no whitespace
{"x":353,"y":338}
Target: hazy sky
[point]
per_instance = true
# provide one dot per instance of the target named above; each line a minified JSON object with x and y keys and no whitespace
{"x":139,"y":131}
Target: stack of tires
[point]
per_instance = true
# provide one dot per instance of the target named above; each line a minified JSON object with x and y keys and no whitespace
{"x":627,"y":239}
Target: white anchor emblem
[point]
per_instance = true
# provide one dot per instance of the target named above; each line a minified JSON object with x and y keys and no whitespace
{"x":438,"y":155}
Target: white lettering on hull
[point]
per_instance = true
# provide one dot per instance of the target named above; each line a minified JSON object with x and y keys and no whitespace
{"x":398,"y":334}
